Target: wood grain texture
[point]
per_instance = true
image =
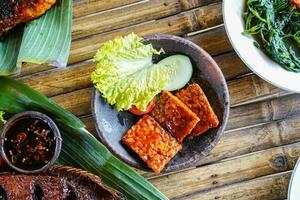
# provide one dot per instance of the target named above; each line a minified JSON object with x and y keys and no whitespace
{"x":77,"y":102}
{"x":272,"y":187}
{"x":257,"y":138}
{"x":119,"y":18}
{"x":57,"y":82}
{"x":252,"y":89}
{"x":214,"y":41}
{"x":143,"y":11}
{"x":179,"y":24}
{"x":236,"y":170}
{"x":86,"y":7}
{"x":265,"y":111}
{"x":231,"y":65}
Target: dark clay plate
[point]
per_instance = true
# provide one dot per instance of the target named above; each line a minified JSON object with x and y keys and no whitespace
{"x":111,"y":125}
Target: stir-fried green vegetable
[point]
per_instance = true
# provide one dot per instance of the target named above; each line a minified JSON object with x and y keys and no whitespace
{"x":80,"y":148}
{"x":2,"y":120}
{"x":125,"y":74}
{"x":276,"y":23}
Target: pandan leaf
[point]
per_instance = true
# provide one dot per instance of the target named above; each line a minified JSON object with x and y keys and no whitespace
{"x":47,"y":40}
{"x":80,"y":148}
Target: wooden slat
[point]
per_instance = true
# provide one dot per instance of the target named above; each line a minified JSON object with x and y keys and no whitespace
{"x":252,"y":139}
{"x":119,"y":18}
{"x":252,"y":88}
{"x":77,"y":102}
{"x":214,"y":41}
{"x":236,"y":170}
{"x":86,"y":7}
{"x":231,"y":65}
{"x":52,"y":83}
{"x":179,"y":24}
{"x":272,"y":187}
{"x":266,"y":111}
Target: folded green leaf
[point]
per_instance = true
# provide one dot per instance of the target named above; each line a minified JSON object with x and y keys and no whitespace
{"x":80,"y":148}
{"x":125,"y":74}
{"x":9,"y":50}
{"x":48,"y":39}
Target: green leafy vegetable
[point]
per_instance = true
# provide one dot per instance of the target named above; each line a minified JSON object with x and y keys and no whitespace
{"x":2,"y":120}
{"x":125,"y":74}
{"x":79,"y":148}
{"x":276,"y":23}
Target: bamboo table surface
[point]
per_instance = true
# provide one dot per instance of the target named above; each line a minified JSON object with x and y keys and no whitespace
{"x":262,"y":141}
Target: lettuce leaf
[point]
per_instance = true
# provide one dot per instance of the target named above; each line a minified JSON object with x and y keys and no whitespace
{"x":125,"y":74}
{"x":2,"y":120}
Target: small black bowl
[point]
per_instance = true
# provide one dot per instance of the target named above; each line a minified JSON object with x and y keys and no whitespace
{"x":111,"y":125}
{"x":12,"y":122}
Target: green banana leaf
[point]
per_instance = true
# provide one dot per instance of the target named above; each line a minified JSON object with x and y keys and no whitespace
{"x":9,"y":50}
{"x":46,"y":40}
{"x":80,"y":148}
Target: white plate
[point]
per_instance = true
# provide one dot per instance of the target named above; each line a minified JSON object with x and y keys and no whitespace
{"x":294,"y":188}
{"x":254,"y":58}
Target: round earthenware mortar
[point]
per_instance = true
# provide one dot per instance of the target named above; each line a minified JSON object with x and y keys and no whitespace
{"x":111,"y":124}
{"x":31,"y":115}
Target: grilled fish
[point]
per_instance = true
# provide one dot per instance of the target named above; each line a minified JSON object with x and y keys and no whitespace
{"x":56,"y":184}
{"x":14,"y":12}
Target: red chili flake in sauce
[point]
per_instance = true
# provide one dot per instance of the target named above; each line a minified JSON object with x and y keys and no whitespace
{"x":30,"y":144}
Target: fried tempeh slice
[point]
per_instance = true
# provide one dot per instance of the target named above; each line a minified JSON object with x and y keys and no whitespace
{"x":13,"y":13}
{"x":174,"y":116}
{"x":196,"y":100}
{"x":155,"y":146}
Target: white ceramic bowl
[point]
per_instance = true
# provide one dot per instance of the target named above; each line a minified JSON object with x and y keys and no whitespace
{"x":294,"y":191}
{"x":254,"y":58}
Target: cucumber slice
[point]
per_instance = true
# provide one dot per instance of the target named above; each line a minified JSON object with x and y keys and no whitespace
{"x":183,"y":71}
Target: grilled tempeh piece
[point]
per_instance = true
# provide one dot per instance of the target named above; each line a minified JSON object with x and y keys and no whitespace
{"x":152,"y":143}
{"x":196,"y":100}
{"x":14,"y":12}
{"x":174,"y":116}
